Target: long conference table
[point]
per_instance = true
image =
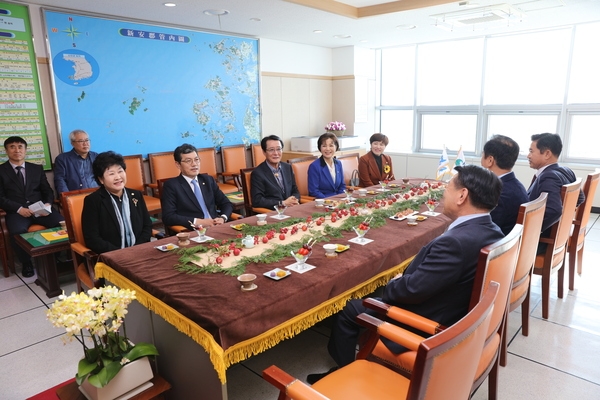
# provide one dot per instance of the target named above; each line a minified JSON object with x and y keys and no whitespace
{"x":203,"y":323}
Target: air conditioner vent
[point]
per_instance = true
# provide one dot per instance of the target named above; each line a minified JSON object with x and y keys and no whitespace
{"x":480,"y":15}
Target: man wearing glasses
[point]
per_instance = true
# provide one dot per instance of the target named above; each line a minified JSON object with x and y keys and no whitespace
{"x":193,"y":197}
{"x":273,"y":182}
{"x":73,"y":169}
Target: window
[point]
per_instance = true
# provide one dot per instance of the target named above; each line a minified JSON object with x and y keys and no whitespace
{"x":584,"y":86}
{"x":584,"y":140}
{"x":397,"y":125}
{"x":449,"y":73}
{"x":450,"y":130}
{"x":398,"y":73}
{"x":520,"y":127}
{"x":527,"y":69}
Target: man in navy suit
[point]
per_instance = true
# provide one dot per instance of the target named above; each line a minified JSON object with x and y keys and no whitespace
{"x":550,"y":177}
{"x":21,"y":185}
{"x":193,"y":197}
{"x":438,"y":282}
{"x":272,"y":181}
{"x":499,"y":156}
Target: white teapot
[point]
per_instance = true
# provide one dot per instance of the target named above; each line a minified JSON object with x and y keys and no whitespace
{"x":248,"y":242}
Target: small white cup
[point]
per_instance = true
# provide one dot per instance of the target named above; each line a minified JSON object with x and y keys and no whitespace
{"x":319,"y":202}
{"x":261,"y":219}
{"x":362,"y":192}
{"x":330,"y":249}
{"x":63,"y":225}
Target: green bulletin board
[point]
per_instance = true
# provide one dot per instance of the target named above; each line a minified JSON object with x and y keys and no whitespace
{"x":21,"y":112}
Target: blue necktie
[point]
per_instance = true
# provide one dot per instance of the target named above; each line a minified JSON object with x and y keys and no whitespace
{"x":200,"y":199}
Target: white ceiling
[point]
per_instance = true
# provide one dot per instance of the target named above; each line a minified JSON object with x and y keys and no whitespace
{"x":287,"y":21}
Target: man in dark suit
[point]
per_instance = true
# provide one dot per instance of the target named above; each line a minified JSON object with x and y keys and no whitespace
{"x":273,"y":181}
{"x":438,"y":282}
{"x":193,"y":197}
{"x":499,"y":156}
{"x":550,"y":177}
{"x":21,"y":185}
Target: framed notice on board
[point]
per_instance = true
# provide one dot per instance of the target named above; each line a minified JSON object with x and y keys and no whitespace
{"x":21,"y":112}
{"x":137,"y":88}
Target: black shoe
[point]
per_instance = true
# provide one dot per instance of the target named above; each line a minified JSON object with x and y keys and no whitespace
{"x":313,"y":378}
{"x":27,"y":271}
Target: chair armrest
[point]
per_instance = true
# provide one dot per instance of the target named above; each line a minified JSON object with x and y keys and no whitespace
{"x":158,"y":234}
{"x":396,"y":334}
{"x":79,"y":249}
{"x":306,"y":199}
{"x":290,"y":386}
{"x":260,"y":210}
{"x":235,"y":217}
{"x":178,"y":229}
{"x":406,"y":317}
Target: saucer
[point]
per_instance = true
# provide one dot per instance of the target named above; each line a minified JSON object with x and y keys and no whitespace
{"x":251,"y":288}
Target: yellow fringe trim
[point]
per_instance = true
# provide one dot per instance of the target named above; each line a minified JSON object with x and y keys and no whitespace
{"x":223,"y":359}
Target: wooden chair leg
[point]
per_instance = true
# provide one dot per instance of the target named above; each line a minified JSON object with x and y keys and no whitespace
{"x":493,"y":382}
{"x":545,"y":294}
{"x":572,"y":263}
{"x":580,"y":259}
{"x":525,"y":314}
{"x":561,"y":279}
{"x":504,"y":345}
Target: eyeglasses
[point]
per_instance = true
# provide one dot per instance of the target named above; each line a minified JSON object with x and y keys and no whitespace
{"x":191,"y":161}
{"x":276,"y":150}
{"x":81,"y":141}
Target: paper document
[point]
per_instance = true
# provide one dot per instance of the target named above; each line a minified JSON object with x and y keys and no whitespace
{"x":39,"y":209}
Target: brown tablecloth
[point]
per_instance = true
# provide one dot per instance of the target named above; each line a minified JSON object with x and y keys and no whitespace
{"x":211,"y":307}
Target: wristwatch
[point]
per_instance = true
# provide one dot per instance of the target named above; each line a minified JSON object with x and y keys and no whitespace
{"x":224,"y":217}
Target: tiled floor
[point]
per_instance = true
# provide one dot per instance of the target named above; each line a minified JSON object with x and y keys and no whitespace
{"x":559,"y":359}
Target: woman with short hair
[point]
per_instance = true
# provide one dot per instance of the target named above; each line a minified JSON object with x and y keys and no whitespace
{"x":375,"y":166}
{"x":325,"y":174}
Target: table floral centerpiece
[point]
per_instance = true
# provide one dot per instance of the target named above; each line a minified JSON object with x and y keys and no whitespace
{"x":98,"y":317}
{"x":336,"y":127}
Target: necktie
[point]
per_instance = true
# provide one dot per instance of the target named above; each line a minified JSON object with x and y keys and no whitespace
{"x":279,"y":180}
{"x":200,"y":199}
{"x":533,"y":180}
{"x":20,"y":175}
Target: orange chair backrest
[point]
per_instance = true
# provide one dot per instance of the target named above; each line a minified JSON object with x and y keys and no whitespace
{"x":300,"y":169}
{"x":246,"y":174}
{"x":234,"y":158}
{"x":208,"y":161}
{"x":162,"y":165}
{"x":135,"y":172}
{"x":561,"y":231}
{"x":72,"y":208}
{"x":497,"y":263}
{"x":531,"y":216}
{"x":257,"y":155}
{"x":584,"y":210}
{"x":449,"y":359}
{"x":349,"y":164}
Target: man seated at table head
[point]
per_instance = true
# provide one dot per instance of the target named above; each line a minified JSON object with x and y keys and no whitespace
{"x":273,"y":181}
{"x":73,"y":169}
{"x":499,"y":156}
{"x":438,"y":282}
{"x":193,"y":197}
{"x":550,"y":177}
{"x":21,"y":185}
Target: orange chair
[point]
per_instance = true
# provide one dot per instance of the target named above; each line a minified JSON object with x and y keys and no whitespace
{"x":3,"y":246}
{"x":245,"y":175}
{"x":553,"y":259}
{"x":208,"y":165}
{"x":582,"y":217}
{"x":349,"y":165}
{"x":531,"y":216}
{"x":300,"y":168}
{"x":444,"y":367}
{"x":496,"y":263}
{"x":84,"y":259}
{"x":234,"y":159}
{"x":162,"y":166}
{"x":136,"y":180}
{"x":257,"y":155}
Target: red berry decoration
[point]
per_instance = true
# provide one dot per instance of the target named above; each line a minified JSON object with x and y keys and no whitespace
{"x":282,"y":236}
{"x":219,"y":260}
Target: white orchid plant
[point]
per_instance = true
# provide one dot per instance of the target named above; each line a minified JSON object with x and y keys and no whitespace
{"x":98,"y":317}
{"x":335,"y":126}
